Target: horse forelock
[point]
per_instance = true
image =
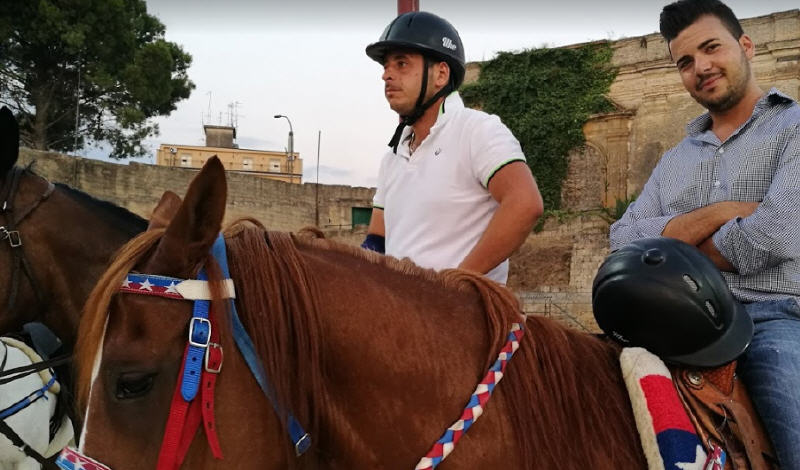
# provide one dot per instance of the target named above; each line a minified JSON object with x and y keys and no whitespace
{"x":95,"y":312}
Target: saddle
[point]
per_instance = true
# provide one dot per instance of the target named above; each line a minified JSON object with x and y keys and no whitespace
{"x":721,"y":410}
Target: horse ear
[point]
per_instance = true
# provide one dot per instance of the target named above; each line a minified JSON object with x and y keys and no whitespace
{"x":195,"y":225}
{"x":165,"y":210}
{"x":9,"y":140}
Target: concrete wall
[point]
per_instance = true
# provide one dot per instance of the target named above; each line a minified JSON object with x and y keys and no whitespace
{"x":138,"y":187}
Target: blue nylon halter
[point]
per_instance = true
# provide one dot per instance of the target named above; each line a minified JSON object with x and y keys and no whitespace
{"x":299,"y":437}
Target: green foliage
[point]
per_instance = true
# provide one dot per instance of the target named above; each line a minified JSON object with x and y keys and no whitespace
{"x":111,"y":53}
{"x":545,"y":97}
{"x":612,"y":214}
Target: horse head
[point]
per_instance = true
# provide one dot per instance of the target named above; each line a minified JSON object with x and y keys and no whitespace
{"x":137,"y":347}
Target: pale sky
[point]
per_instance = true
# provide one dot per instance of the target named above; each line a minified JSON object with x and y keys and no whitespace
{"x":305,"y":59}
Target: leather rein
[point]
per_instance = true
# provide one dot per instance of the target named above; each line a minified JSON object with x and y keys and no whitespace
{"x":13,"y":217}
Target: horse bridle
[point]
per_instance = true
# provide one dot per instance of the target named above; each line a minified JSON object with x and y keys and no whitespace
{"x":9,"y":231}
{"x":193,"y":399}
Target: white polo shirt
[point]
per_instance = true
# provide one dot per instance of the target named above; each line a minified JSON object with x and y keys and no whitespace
{"x":435,"y":203}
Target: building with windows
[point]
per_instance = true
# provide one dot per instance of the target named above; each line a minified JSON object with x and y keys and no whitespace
{"x":220,"y":142}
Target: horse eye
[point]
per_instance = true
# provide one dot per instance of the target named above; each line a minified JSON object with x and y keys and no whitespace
{"x":134,"y":385}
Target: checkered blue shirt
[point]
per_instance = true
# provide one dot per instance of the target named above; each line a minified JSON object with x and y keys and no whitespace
{"x":760,"y":162}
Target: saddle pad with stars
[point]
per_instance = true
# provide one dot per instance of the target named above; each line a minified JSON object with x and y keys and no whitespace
{"x":668,"y":437}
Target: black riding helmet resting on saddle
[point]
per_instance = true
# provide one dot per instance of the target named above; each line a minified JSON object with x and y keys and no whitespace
{"x":668,"y":297}
{"x":434,"y":38}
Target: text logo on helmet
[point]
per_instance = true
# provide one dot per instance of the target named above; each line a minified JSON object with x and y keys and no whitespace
{"x":448,"y":43}
{"x":668,"y":297}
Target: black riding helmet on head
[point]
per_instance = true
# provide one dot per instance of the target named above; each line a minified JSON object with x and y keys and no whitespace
{"x":668,"y":297}
{"x":434,"y":38}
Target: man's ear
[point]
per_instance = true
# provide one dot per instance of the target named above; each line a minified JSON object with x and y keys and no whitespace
{"x":748,"y":46}
{"x":441,"y":75}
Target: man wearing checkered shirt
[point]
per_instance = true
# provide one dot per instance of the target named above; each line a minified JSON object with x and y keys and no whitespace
{"x":732,"y":188}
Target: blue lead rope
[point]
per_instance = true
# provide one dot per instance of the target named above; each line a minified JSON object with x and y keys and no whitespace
{"x":299,"y":437}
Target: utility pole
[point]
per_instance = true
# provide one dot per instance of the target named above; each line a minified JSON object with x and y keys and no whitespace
{"x":316,"y":186}
{"x":405,"y":6}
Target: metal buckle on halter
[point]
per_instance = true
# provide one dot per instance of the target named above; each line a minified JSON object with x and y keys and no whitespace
{"x":218,"y":368}
{"x":14,"y":240}
{"x":199,"y":332}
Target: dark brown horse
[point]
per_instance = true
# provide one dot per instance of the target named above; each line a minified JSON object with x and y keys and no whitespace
{"x":374,"y":356}
{"x":55,"y":242}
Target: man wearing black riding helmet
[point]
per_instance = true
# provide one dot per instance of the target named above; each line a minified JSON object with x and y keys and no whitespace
{"x":454,"y":189}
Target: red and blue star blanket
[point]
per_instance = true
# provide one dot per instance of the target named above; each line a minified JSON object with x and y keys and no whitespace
{"x":668,"y":437}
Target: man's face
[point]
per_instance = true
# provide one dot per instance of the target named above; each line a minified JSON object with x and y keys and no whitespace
{"x":713,"y":65}
{"x":402,"y":78}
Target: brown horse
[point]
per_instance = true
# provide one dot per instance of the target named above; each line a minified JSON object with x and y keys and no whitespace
{"x":374,"y":356}
{"x":55,"y":242}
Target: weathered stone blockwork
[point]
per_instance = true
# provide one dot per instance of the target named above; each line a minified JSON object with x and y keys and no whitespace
{"x":623,"y":147}
{"x":138,"y":187}
{"x":648,"y":85}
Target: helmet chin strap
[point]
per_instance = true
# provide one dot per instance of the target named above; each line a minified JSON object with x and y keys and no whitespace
{"x":420,"y":107}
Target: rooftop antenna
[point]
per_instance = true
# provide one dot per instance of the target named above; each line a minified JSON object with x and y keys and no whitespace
{"x":236,"y":113}
{"x":209,"y":105}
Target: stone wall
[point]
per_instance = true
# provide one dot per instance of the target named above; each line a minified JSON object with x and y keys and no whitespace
{"x":138,"y":187}
{"x":649,"y":89}
{"x":552,"y":272}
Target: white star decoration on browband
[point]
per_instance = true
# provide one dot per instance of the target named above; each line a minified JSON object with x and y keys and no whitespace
{"x":173,"y":288}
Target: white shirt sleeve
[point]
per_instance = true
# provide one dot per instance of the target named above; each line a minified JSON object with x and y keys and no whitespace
{"x":379,"y":199}
{"x":492,"y":147}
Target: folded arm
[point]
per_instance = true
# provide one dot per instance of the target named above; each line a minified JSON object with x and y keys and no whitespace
{"x":520,"y":205}
{"x":770,"y":234}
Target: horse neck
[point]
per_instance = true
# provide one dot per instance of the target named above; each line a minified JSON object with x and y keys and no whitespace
{"x":398,"y":348}
{"x":403,"y":354}
{"x":68,"y":243}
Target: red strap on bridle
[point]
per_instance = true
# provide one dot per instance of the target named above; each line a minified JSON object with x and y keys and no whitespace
{"x":185,"y":417}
